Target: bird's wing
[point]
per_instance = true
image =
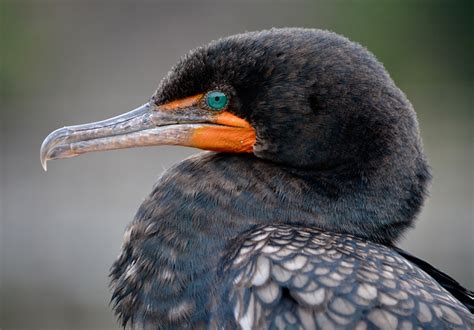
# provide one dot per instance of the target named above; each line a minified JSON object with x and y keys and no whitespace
{"x":464,"y":295}
{"x":294,"y":277}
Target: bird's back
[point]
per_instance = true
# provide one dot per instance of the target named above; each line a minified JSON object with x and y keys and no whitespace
{"x":290,"y":277}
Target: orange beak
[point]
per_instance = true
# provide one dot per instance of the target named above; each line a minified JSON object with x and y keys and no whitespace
{"x":182,"y":122}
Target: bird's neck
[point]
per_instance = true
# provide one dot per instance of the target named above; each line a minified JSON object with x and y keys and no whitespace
{"x":173,"y":247}
{"x":218,"y":195}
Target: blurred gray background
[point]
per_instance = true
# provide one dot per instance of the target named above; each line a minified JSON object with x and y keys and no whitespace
{"x":66,"y":63}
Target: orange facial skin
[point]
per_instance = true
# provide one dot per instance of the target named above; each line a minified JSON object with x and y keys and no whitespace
{"x":224,"y":139}
{"x":182,"y":103}
{"x":229,"y":119}
{"x":231,"y":134}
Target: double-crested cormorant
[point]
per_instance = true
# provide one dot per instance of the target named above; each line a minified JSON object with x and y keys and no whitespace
{"x":317,"y":169}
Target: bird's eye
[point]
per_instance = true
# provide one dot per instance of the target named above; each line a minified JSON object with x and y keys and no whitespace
{"x":216,"y":100}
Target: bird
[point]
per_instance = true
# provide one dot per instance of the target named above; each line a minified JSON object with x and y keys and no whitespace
{"x":313,"y":169}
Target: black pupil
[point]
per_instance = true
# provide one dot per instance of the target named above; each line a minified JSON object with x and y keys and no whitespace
{"x":217,"y":98}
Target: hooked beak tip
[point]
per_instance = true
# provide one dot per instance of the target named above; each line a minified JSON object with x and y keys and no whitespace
{"x":48,"y":146}
{"x":44,"y":165}
{"x":44,"y":156}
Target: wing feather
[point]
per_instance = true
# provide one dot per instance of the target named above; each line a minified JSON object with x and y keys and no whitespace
{"x":289,"y":277}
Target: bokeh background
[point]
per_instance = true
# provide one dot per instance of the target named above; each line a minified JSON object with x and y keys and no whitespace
{"x":65,"y":62}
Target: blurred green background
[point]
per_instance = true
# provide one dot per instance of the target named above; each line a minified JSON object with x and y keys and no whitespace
{"x":70,"y":62}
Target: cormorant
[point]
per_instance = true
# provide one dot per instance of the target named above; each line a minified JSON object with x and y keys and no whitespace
{"x":316,"y":169}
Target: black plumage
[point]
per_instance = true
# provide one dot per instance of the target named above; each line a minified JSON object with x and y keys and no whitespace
{"x":301,"y":231}
{"x":327,"y":109}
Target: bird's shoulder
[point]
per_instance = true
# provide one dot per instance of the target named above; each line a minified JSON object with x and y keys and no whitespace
{"x":283,"y":276}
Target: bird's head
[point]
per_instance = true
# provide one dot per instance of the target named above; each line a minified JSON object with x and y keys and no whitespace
{"x":301,"y":98}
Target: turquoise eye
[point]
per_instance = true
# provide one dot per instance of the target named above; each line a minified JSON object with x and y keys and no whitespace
{"x":216,"y":100}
